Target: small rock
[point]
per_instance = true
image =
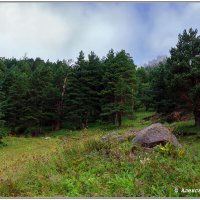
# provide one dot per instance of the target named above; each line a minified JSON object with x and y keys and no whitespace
{"x":64,"y":140}
{"x":114,"y":136}
{"x":109,"y":136}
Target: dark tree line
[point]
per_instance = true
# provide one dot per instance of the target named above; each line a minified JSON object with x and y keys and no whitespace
{"x":35,"y":94}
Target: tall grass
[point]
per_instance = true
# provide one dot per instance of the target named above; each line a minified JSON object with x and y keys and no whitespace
{"x":85,"y":166}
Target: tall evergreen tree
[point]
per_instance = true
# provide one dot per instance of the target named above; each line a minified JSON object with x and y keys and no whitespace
{"x":119,"y":86}
{"x":144,"y":97}
{"x":162,"y":95}
{"x":185,"y":72}
{"x":77,"y":109}
{"x":15,"y":105}
{"x":55,"y":94}
{"x":2,"y":95}
{"x":83,"y":103}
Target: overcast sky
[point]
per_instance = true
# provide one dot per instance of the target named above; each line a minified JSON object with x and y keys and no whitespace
{"x":59,"y":30}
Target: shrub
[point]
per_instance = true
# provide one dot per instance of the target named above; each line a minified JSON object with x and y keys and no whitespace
{"x":169,"y":149}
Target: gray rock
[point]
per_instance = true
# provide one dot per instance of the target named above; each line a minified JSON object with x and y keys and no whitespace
{"x":109,"y":136}
{"x":47,"y":138}
{"x":114,"y":136}
{"x":64,"y":140}
{"x":154,"y":135}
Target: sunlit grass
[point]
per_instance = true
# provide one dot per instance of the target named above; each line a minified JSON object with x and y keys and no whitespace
{"x":19,"y":151}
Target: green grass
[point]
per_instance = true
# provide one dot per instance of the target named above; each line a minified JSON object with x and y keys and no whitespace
{"x":185,"y":128}
{"x":84,"y":166}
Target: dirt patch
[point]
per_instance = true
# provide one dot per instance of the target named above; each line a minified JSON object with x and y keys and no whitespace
{"x":154,"y":118}
{"x":177,"y":116}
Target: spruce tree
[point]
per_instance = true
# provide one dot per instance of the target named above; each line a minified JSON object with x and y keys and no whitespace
{"x":162,"y":95}
{"x":76,"y":108}
{"x":184,"y":65}
{"x":144,"y":95}
{"x":119,"y":86}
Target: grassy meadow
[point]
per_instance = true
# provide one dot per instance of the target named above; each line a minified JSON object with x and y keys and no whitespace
{"x":79,"y":164}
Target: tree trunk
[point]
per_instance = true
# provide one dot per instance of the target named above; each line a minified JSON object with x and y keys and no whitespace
{"x":37,"y":132}
{"x":84,"y":124}
{"x":56,"y":125}
{"x":197,"y":120}
{"x":116,"y":118}
{"x":113,"y":119}
{"x":197,"y":115}
{"x":119,"y":116}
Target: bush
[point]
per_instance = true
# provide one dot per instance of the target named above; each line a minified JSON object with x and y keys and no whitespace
{"x":171,"y":150}
{"x":98,"y":145}
{"x":3,"y":132}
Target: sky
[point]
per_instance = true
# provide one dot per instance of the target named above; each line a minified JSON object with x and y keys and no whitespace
{"x":60,"y":30}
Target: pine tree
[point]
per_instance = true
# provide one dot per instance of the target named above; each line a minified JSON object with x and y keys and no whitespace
{"x":119,"y":86}
{"x":83,"y":102}
{"x":14,"y":106}
{"x":76,"y":107}
{"x":162,"y":95}
{"x":93,"y":77}
{"x":2,"y":96}
{"x":185,"y":72}
{"x":55,"y":94}
{"x":144,"y":95}
{"x":36,"y":94}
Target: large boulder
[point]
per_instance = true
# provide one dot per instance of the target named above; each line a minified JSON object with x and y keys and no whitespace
{"x":154,"y":135}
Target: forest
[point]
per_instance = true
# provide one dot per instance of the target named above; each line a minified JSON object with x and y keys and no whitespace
{"x":73,"y":99}
{"x":36,"y":94}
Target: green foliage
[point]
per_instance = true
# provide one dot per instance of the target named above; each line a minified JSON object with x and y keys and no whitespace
{"x":185,"y":128}
{"x":163,"y":97}
{"x":176,"y":82}
{"x":35,"y":94}
{"x":169,"y":149}
{"x":30,"y":93}
{"x":144,"y":96}
{"x":184,"y":68}
{"x":119,"y":86}
{"x":83,"y":100}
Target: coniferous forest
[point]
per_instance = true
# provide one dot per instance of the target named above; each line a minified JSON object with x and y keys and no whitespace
{"x":36,"y":94}
{"x":75,"y":103}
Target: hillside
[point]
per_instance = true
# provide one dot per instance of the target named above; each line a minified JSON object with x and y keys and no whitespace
{"x":79,"y":164}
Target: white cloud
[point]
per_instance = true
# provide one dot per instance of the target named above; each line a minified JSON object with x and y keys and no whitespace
{"x":29,"y":28}
{"x":168,"y":20}
{"x":61,"y":32}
